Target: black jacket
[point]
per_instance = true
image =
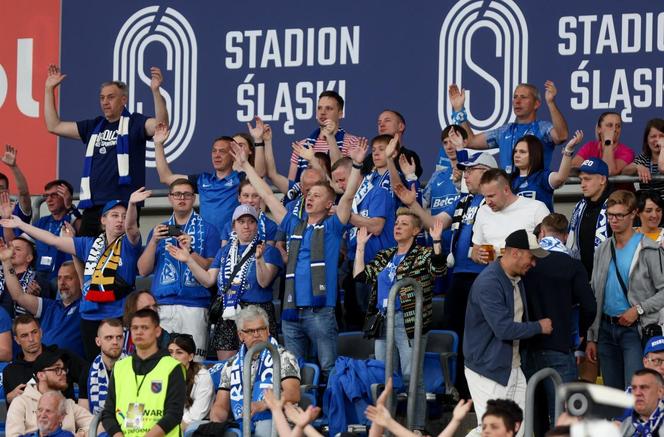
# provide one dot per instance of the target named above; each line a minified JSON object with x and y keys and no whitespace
{"x":20,"y":372}
{"x":556,"y":284}
{"x":176,"y":392}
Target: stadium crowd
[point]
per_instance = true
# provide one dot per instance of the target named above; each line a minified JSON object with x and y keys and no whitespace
{"x":525,"y":287}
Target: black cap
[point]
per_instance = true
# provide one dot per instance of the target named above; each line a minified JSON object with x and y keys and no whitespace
{"x":48,"y":358}
{"x":520,"y":239}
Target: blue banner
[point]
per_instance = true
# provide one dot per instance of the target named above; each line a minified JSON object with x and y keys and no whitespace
{"x":226,"y":62}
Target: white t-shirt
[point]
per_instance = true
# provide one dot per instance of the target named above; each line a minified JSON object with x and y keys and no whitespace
{"x":493,"y":227}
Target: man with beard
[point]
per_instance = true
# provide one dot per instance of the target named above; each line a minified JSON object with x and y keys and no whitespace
{"x":60,"y":319}
{"x":110,"y":337}
{"x":50,"y":374}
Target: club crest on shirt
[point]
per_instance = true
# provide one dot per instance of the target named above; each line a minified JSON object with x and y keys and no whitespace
{"x":156,"y":386}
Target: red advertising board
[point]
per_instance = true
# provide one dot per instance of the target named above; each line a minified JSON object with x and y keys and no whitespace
{"x":30,"y":41}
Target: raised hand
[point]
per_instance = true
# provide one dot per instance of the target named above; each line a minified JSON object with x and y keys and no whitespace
{"x":260,"y":248}
{"x":550,"y":91}
{"x":63,"y":192}
{"x":330,"y":127}
{"x":362,"y":236}
{"x":437,"y":229}
{"x":258,"y":131}
{"x":271,"y":401}
{"x":54,"y":77}
{"x":161,"y":133}
{"x":156,"y":78}
{"x":6,"y":206}
{"x":576,"y":139}
{"x":299,"y":417}
{"x":407,"y":165}
{"x":33,"y":288}
{"x":178,"y":253}
{"x":455,"y":139}
{"x":9,"y":157}
{"x":139,"y":195}
{"x":267,"y":133}
{"x":462,"y":408}
{"x":379,"y":415}
{"x":391,"y":149}
{"x":387,"y":392}
{"x":407,"y":196}
{"x":457,"y":97}
{"x":358,"y":153}
{"x":303,"y":152}
{"x":238,"y":153}
{"x":6,"y":251}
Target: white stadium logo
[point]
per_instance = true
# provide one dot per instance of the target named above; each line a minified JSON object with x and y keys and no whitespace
{"x":172,"y":30}
{"x":506,"y":21}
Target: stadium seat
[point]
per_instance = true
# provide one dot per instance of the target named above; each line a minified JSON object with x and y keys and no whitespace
{"x":354,"y":345}
{"x":309,"y":377}
{"x":443,"y":347}
{"x":437,"y":321}
{"x":144,"y":282}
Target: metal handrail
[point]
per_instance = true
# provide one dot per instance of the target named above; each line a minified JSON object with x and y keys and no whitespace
{"x":94,"y":424}
{"x":534,"y":381}
{"x":247,"y":381}
{"x":417,"y":336}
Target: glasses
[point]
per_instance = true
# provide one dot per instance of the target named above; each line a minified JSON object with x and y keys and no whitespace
{"x":656,"y":361}
{"x":182,"y":195}
{"x":50,"y":195}
{"x":256,"y":331}
{"x":617,"y":216}
{"x":57,"y":370}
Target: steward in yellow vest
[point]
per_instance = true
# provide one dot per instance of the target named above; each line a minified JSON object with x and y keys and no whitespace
{"x":146,"y":391}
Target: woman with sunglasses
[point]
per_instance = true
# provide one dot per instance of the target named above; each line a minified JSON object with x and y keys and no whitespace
{"x":243,"y":271}
{"x":200,"y":389}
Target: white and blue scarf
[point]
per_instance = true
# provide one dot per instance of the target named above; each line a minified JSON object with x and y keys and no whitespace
{"x":238,"y":283}
{"x":646,"y":429}
{"x":121,"y":151}
{"x":552,"y":244}
{"x":98,"y":384}
{"x":262,"y":380}
{"x":23,"y":279}
{"x":365,"y":188}
{"x":601,"y":230}
{"x":173,"y":269}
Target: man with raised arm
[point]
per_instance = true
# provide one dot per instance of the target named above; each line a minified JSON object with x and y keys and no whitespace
{"x":311,"y":273}
{"x":217,"y":190}
{"x":525,"y":103}
{"x":114,"y":165}
{"x":109,"y":262}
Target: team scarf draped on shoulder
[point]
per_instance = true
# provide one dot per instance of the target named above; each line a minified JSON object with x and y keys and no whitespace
{"x":601,"y":231}
{"x":102,"y":264}
{"x":98,"y":384}
{"x":172,"y":273}
{"x":121,"y":152}
{"x":24,"y":280}
{"x":263,"y":379}
{"x":646,"y":429}
{"x":238,"y":283}
{"x":552,"y":244}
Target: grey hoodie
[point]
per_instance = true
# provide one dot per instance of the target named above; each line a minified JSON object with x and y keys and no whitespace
{"x":646,"y":281}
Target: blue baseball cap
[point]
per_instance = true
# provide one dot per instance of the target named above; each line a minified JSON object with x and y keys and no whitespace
{"x":112,"y":204}
{"x":655,"y":344}
{"x":484,"y":158}
{"x":594,"y":166}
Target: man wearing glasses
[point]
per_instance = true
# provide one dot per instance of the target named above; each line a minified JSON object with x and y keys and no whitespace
{"x":50,"y":374}
{"x":252,"y":325}
{"x":183,"y":301}
{"x":627,"y":279}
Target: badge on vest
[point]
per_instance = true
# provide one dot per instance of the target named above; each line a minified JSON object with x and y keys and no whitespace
{"x":156,"y":386}
{"x":134,"y":419}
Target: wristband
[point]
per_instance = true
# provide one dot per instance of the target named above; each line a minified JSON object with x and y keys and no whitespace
{"x":436,"y":241}
{"x":261,"y":144}
{"x":357,"y":166}
{"x":566,"y":152}
{"x":411,"y":177}
{"x":12,"y":271}
{"x":459,"y":117}
{"x":191,"y":250}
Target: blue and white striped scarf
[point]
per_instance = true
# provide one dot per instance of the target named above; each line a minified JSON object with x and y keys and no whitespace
{"x":646,"y":429}
{"x":552,"y":244}
{"x":98,"y":384}
{"x":121,"y":151}
{"x":262,"y":380}
{"x":601,"y":230}
{"x":24,"y":280}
